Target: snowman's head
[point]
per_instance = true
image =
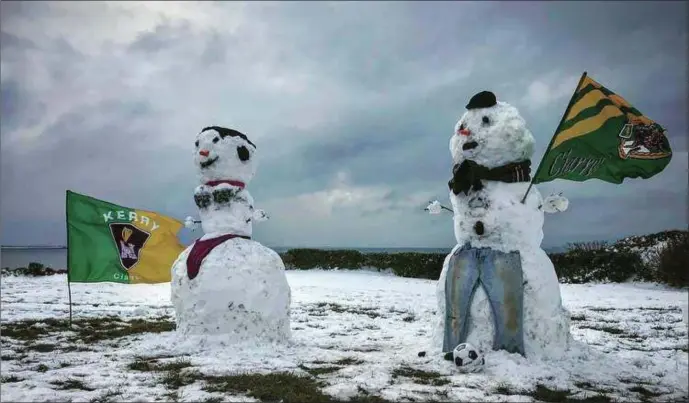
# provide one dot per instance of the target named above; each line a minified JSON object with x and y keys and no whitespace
{"x":222,"y":154}
{"x":491,"y":133}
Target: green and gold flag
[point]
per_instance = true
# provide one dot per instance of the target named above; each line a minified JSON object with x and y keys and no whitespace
{"x":602,"y":136}
{"x":111,"y":243}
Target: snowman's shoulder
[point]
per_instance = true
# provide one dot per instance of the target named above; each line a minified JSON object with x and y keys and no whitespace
{"x":250,"y":250}
{"x":181,"y":258}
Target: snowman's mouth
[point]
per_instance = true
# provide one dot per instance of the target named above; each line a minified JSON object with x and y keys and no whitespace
{"x":469,"y":146}
{"x":207,"y":163}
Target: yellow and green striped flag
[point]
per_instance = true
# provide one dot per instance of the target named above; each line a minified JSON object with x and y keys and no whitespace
{"x":111,"y":243}
{"x":602,"y":136}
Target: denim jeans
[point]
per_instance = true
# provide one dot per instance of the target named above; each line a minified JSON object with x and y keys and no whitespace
{"x":500,"y":275}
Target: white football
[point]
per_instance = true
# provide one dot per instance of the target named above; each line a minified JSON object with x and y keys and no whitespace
{"x":468,"y":358}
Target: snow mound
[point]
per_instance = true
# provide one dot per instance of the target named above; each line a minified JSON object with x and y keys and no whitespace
{"x":241,"y":292}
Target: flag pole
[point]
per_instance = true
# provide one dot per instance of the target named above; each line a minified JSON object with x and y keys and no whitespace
{"x":69,"y":288}
{"x":552,"y":140}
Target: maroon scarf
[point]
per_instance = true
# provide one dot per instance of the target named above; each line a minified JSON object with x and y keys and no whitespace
{"x":201,"y":249}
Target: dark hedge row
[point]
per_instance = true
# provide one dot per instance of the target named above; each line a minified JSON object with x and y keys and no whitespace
{"x":575,"y":266}
{"x":582,"y":263}
{"x":404,"y":264}
{"x":34,"y":269}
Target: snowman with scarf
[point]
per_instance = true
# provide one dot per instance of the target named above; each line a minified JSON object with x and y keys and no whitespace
{"x":225,"y":283}
{"x":498,"y":289}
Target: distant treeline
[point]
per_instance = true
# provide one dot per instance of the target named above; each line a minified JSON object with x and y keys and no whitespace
{"x":661,"y":257}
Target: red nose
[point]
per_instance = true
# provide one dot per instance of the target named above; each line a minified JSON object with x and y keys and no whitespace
{"x":465,"y":132}
{"x":204,"y":153}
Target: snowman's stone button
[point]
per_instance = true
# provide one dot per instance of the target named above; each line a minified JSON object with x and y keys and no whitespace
{"x":478,"y":228}
{"x":202,"y":199}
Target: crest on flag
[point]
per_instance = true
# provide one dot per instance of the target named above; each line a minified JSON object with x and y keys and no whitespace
{"x":640,"y":140}
{"x":129,"y":240}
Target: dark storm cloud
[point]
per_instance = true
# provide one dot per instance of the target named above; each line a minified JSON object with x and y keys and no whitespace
{"x":351,"y":104}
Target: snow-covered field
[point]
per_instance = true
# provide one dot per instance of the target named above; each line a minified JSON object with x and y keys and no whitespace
{"x":356,"y":334}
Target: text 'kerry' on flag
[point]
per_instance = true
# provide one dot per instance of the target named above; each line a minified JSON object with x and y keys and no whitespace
{"x":602,"y":136}
{"x":107,"y":242}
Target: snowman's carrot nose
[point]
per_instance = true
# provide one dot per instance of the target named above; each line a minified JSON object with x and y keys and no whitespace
{"x":465,"y":132}
{"x":204,"y":153}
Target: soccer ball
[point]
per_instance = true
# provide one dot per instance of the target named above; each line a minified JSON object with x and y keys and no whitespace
{"x":468,"y":358}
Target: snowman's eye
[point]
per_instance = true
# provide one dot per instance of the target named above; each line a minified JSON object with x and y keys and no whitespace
{"x":486,"y":120}
{"x":215,"y":140}
{"x":196,"y":143}
{"x":243,"y":153}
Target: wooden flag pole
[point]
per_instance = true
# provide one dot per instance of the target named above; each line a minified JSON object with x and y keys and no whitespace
{"x":552,"y":140}
{"x":69,"y":288}
{"x":69,"y":291}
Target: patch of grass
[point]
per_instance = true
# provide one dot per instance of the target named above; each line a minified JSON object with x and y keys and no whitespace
{"x":71,"y":384}
{"x":8,"y":357}
{"x":645,"y":393}
{"x":578,"y":318}
{"x":543,"y":393}
{"x":29,"y":330}
{"x":409,"y":318}
{"x":151,"y":364}
{"x":171,"y":396}
{"x":586,"y":386}
{"x":596,"y":309}
{"x":635,"y":381}
{"x":365,"y":396}
{"x":174,"y":365}
{"x":420,"y":376}
{"x":509,"y":390}
{"x":42,"y":368}
{"x":285,"y":387}
{"x":213,"y":399}
{"x":141,"y":365}
{"x":633,"y":336}
{"x":10,"y":379}
{"x":319,"y":370}
{"x":598,"y":398}
{"x":65,"y":364}
{"x":106,"y":396}
{"x":606,"y":329}
{"x":362,"y":349}
{"x":98,"y":330}
{"x":367,"y":399}
{"x":348,"y":361}
{"x":175,"y":379}
{"x":86,"y":330}
{"x":337,"y":308}
{"x":42,"y":347}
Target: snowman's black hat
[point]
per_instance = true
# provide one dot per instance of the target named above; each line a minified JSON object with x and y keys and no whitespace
{"x":484,"y":99}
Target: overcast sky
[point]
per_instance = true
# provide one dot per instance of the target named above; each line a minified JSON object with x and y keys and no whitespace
{"x":351,"y":105}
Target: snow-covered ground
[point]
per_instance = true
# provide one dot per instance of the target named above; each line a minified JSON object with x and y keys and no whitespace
{"x":357,"y":333}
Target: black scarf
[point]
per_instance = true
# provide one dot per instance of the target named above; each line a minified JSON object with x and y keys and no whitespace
{"x":468,"y":175}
